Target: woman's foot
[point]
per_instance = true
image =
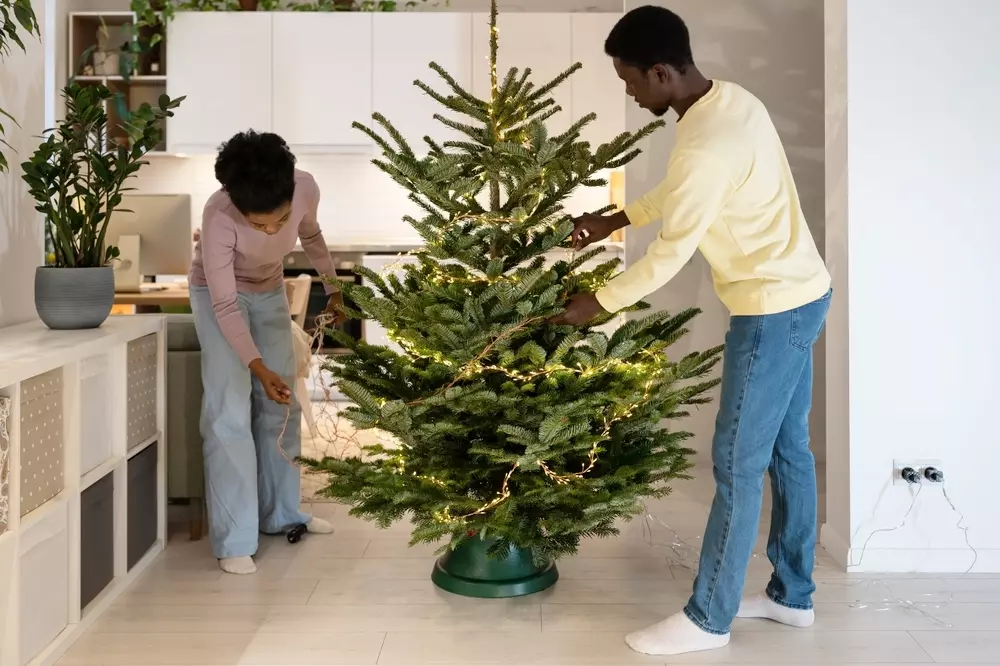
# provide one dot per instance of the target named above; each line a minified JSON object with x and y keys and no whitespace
{"x":241,"y":566}
{"x":319,"y":526}
{"x":675,"y":635}
{"x":760,"y":606}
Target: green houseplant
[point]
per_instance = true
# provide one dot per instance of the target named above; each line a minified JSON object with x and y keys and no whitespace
{"x":77,"y":179}
{"x":15,"y":15}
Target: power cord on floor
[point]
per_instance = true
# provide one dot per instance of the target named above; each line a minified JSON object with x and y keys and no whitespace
{"x":685,"y":555}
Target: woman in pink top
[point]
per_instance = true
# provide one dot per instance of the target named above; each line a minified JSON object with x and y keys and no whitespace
{"x":241,"y":314}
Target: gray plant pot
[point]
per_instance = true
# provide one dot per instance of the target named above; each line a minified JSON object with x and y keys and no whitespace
{"x":69,"y":299}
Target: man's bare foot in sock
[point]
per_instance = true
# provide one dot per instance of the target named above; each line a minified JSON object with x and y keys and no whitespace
{"x":675,"y":635}
{"x":241,"y":566}
{"x":761,"y":607}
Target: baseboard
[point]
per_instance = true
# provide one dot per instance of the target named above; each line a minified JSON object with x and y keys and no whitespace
{"x":837,"y":547}
{"x":908,"y":560}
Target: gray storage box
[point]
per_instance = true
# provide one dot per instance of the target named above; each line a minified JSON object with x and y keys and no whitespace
{"x":97,"y":538}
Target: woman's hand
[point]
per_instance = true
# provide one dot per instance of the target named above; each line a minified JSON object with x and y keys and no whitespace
{"x":275,"y":387}
{"x":335,"y":309}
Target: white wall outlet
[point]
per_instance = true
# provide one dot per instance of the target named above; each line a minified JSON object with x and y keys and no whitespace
{"x":919,"y":465}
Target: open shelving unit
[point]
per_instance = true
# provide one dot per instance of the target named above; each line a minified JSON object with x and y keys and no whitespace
{"x":86,"y":66}
{"x":82,"y":477}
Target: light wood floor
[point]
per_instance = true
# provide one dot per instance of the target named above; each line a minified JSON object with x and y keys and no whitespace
{"x":361,"y":596}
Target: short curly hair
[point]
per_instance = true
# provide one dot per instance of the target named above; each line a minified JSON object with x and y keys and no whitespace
{"x":257,"y":171}
{"x":649,"y":36}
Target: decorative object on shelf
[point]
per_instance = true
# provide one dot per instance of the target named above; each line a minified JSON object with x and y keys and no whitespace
{"x":249,"y":5}
{"x":106,"y":60}
{"x":76,"y":178}
{"x":15,"y":16}
{"x":5,"y":405}
{"x":515,"y":438}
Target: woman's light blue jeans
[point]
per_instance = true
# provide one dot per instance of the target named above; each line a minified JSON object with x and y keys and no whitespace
{"x":251,"y":487}
{"x":762,"y":426}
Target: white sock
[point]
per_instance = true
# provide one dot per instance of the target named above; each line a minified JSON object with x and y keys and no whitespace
{"x":240,"y":566}
{"x":675,"y":635}
{"x":760,"y":606}
{"x":319,"y":526}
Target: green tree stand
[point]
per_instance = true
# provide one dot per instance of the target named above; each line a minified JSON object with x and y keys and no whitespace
{"x":471,"y":571}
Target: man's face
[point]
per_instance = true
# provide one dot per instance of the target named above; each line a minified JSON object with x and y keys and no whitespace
{"x":651,"y":90}
{"x":271,"y":223}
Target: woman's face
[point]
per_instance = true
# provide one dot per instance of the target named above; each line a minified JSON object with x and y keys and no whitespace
{"x":271,"y":223}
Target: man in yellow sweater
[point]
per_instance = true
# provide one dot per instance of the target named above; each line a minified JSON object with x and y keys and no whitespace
{"x":728,"y":192}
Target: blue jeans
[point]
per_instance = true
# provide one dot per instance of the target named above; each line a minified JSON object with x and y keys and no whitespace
{"x":762,"y":425}
{"x":251,"y":487}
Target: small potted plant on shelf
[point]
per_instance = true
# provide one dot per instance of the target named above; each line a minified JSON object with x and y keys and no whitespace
{"x":77,"y":178}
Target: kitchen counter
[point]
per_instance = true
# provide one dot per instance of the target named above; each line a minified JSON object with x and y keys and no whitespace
{"x":396,"y":247}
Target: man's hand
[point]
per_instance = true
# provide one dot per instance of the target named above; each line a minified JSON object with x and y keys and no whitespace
{"x":275,"y":387}
{"x":335,"y":309}
{"x":589,"y":228}
{"x":580,"y":309}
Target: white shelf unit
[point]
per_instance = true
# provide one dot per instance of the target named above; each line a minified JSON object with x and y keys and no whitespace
{"x":68,"y":394}
{"x":137,"y":89}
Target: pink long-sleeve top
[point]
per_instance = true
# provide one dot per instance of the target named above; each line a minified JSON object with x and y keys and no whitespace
{"x":232,"y":257}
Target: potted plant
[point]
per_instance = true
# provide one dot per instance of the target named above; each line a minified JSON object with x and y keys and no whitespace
{"x":15,"y":15}
{"x":77,"y":179}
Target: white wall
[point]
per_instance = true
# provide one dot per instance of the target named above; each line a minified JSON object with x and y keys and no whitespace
{"x":913,"y":166}
{"x":774,"y":48}
{"x":22,"y":94}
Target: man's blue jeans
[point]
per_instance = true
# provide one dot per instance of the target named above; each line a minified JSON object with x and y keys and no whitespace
{"x":763,"y":425}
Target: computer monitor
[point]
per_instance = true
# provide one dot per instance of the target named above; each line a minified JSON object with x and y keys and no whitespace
{"x":153,"y":234}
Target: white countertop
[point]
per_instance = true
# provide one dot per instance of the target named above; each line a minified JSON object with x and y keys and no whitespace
{"x":30,"y":349}
{"x":398,"y":246}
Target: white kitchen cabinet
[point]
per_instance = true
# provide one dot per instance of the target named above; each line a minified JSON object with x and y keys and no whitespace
{"x":405,"y":44}
{"x":221,"y":63}
{"x":540,"y":41}
{"x":323,"y":79}
{"x":384,"y":264}
{"x":596,"y":88}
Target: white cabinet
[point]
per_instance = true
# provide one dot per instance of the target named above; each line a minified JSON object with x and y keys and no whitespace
{"x":373,"y":332}
{"x":405,"y":44}
{"x":221,"y":63}
{"x":95,"y":412}
{"x":44,"y":581}
{"x":322,"y":78}
{"x":536,"y":40}
{"x":596,"y":88}
{"x":309,"y":76}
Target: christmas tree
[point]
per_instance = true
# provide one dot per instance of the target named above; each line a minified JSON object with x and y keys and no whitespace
{"x":513,"y":436}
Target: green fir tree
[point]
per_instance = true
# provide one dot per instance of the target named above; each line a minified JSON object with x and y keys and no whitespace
{"x":508,"y":427}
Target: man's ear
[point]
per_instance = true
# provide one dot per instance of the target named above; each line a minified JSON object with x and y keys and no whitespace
{"x":662,"y":73}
